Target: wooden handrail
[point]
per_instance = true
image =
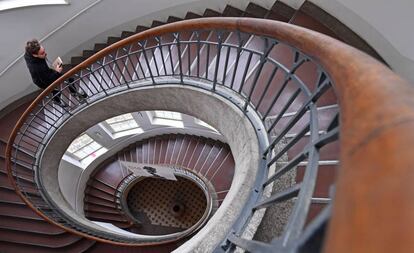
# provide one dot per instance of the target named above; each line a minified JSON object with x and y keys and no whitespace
{"x":377,"y":137}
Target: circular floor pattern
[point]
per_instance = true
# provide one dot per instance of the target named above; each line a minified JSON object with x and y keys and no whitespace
{"x":168,"y":204}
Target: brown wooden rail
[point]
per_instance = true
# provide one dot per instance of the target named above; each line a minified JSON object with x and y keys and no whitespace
{"x":373,"y":208}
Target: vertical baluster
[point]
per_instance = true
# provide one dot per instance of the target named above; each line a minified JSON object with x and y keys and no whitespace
{"x":126,"y":62}
{"x":147,"y":62}
{"x":207,"y":58}
{"x":79,"y":78}
{"x":177,"y":37}
{"x":269,"y":81}
{"x":219,"y":35}
{"x":198,"y":53}
{"x":189,"y":57}
{"x":128,"y":53}
{"x":155,"y":61}
{"x":103,"y":66}
{"x":285,"y":107}
{"x":226,"y":65}
{"x":99,"y":83}
{"x":246,"y":69}
{"x":159,"y":41}
{"x":115,"y":61}
{"x":171,"y":60}
{"x":112,"y":66}
{"x":140,"y":65}
{"x":236,"y":64}
{"x":100,"y":69}
{"x":288,"y":77}
{"x":263,"y":60}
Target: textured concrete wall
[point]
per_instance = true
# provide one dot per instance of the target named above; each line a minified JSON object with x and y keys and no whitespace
{"x":219,"y":113}
{"x":68,"y":176}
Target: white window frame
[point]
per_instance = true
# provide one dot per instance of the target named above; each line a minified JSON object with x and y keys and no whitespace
{"x":114,"y":134}
{"x":159,"y":115}
{"x":113,"y":131}
{"x":157,"y":119}
{"x":72,"y":154}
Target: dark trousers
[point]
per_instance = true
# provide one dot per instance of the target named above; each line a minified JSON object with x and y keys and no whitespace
{"x":57,"y":93}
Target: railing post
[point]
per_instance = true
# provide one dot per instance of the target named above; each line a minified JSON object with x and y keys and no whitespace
{"x":263,"y":60}
{"x":146,"y":61}
{"x":177,"y":37}
{"x":219,"y":35}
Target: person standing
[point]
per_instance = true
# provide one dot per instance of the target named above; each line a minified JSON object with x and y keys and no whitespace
{"x":42,"y":75}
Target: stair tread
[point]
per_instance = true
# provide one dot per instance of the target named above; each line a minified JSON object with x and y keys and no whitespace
{"x":211,"y":13}
{"x":51,"y":241}
{"x":15,"y":247}
{"x":255,"y":11}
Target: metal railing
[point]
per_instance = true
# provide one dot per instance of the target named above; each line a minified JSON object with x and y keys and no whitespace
{"x":259,"y":61}
{"x":229,"y":60}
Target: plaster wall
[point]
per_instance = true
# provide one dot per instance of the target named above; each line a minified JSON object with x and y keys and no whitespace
{"x":68,"y":177}
{"x":66,"y":30}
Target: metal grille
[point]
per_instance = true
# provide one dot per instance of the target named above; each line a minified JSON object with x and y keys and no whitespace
{"x":230,"y":63}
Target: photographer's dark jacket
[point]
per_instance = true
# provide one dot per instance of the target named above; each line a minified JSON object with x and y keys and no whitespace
{"x":41,"y":74}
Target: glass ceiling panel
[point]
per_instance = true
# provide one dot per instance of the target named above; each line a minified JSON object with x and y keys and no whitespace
{"x":79,"y":143}
{"x":168,"y":115}
{"x":83,"y":146}
{"x":122,"y":123}
{"x":123,"y":117}
{"x":122,"y":126}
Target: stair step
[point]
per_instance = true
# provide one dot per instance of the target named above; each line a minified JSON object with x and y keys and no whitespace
{"x":99,"y":46}
{"x":208,"y":13}
{"x":255,"y":11}
{"x":80,"y":246}
{"x":109,"y":217}
{"x":126,"y":34}
{"x":77,"y":60}
{"x":99,"y":201}
{"x":325,"y":179}
{"x":32,"y":226}
{"x":16,"y":210}
{"x":102,"y":187}
{"x":100,"y":194}
{"x":283,"y":10}
{"x":230,"y":11}
{"x":156,"y":23}
{"x":111,"y":40}
{"x":102,"y":209}
{"x":67,"y":67}
{"x":24,"y":180}
{"x":140,"y":28}
{"x":44,"y":240}
{"x":337,"y":28}
{"x":88,"y":53}
{"x":192,"y":15}
{"x":172,"y":19}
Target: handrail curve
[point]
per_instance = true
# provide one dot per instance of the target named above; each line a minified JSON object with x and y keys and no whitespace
{"x":376,"y":120}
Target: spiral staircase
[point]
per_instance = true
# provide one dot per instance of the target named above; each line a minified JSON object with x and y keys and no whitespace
{"x":279,"y":80}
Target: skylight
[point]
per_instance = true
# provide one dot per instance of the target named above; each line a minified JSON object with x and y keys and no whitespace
{"x":167,"y":115}
{"x":83,"y":146}
{"x":122,"y":123}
